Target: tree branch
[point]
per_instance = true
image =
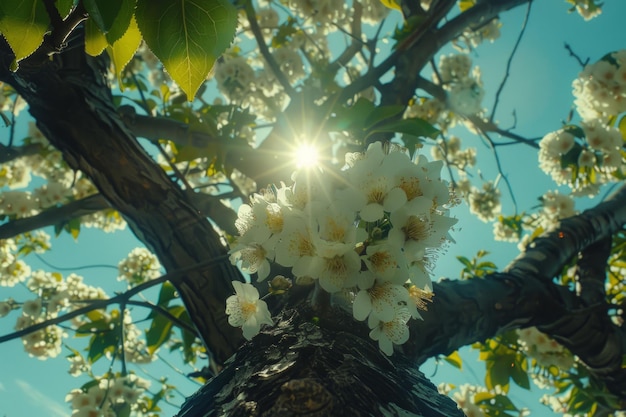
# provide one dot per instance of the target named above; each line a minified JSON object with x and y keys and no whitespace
{"x":509,"y":62}
{"x":69,"y":97}
{"x":122,"y":298}
{"x":54,"y":215}
{"x":9,"y":153}
{"x":524,"y":295}
{"x":269,"y":58}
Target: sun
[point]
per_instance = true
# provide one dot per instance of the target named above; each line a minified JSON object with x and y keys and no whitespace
{"x":306,"y":156}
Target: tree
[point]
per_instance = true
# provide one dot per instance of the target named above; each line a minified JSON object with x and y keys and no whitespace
{"x":317,"y":357}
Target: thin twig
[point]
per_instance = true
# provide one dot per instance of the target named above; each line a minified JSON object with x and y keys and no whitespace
{"x":499,"y":167}
{"x":124,"y":297}
{"x":575,"y":55}
{"x":510,"y":62}
{"x":269,"y":58}
{"x":75,"y":268}
{"x":12,"y":127}
{"x":162,"y":311}
{"x":356,"y":43}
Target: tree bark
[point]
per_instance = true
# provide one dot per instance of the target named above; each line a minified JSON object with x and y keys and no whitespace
{"x":69,"y":97}
{"x":318,"y":365}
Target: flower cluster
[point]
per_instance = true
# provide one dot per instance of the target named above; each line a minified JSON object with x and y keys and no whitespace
{"x":464,"y":87}
{"x":600,"y":89}
{"x":508,"y":229}
{"x":556,"y":206}
{"x":582,"y":157}
{"x":471,"y":38}
{"x":53,"y":294}
{"x":546,"y":353}
{"x":588,"y":9}
{"x":139,"y":266}
{"x":464,"y":397}
{"x":108,"y":395}
{"x":373,"y":12}
{"x":485,"y":203}
{"x":12,"y":269}
{"x":450,"y":151}
{"x":44,"y":343}
{"x":430,"y":109}
{"x":325,"y":13}
{"x":369,"y":230}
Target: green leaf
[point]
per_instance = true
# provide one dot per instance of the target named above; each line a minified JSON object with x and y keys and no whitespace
{"x":73,"y":227}
{"x":187,"y":36}
{"x":465,"y":262}
{"x":161,"y":329}
{"x":188,"y":339}
{"x":124,"y":49}
{"x":353,"y":117}
{"x":380,"y":114}
{"x":519,"y":373}
{"x":167,"y":293}
{"x":122,"y":410}
{"x":392,"y":4}
{"x":23,"y":24}
{"x":159,"y":332}
{"x":112,"y":17}
{"x":498,"y":372}
{"x":103,"y":12}
{"x":466,"y":4}
{"x":95,"y":41}
{"x":454,"y":359}
{"x":64,"y":7}
{"x":622,"y":127}
{"x":102,"y":343}
{"x":413,"y":126}
{"x":121,"y":23}
{"x":98,"y":326}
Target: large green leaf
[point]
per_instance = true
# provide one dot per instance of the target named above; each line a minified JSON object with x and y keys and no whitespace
{"x":121,"y":23}
{"x":187,"y":36}
{"x":95,"y":41}
{"x":103,"y":12}
{"x":161,"y":328}
{"x":23,"y":24}
{"x":111,"y":16}
{"x":124,"y":48}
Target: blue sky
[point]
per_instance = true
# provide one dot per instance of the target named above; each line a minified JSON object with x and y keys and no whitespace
{"x":539,"y":90}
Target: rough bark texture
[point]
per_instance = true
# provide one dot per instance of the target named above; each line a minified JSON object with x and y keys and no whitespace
{"x":71,"y":101}
{"x":315,"y":366}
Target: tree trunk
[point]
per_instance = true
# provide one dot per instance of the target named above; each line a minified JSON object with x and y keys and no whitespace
{"x":315,"y":366}
{"x":69,"y":97}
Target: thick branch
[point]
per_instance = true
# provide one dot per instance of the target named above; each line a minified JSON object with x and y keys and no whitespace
{"x":323,"y":368}
{"x":421,"y":49}
{"x":591,"y":272}
{"x":69,"y":97}
{"x":54,"y":215}
{"x":524,"y":295}
{"x":9,"y":153}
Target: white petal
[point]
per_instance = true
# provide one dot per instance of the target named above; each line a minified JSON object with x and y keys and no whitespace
{"x":251,"y":327}
{"x":248,"y":292}
{"x":385,"y":345}
{"x":362,"y":305}
{"x":395,"y":199}
{"x":263,"y":271}
{"x":372,"y":212}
